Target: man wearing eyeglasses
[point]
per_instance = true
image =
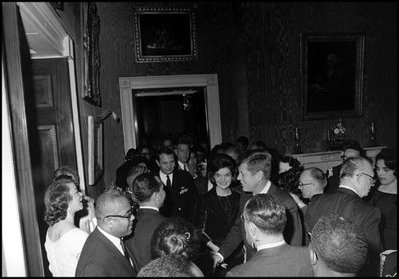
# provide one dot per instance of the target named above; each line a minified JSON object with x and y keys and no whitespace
{"x":311,"y":183}
{"x":357,"y":178}
{"x":104,"y":254}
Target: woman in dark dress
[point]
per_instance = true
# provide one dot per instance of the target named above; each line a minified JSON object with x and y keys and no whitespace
{"x":219,"y":207}
{"x":385,"y":197}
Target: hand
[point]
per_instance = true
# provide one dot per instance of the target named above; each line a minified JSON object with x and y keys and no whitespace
{"x":216,"y":259}
{"x":298,"y":201}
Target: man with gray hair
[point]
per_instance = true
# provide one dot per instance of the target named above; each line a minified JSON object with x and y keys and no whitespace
{"x":312,"y":182}
{"x":356,"y":178}
{"x":104,"y":253}
{"x":338,"y":247}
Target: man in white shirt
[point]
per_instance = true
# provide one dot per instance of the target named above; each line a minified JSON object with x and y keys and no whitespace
{"x":181,"y":194}
{"x":254,"y":175}
{"x":264,"y":220}
{"x":357,"y":177}
{"x":104,"y":254}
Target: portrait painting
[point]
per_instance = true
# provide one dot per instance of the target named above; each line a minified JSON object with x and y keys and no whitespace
{"x":163,"y":35}
{"x":332,"y":75}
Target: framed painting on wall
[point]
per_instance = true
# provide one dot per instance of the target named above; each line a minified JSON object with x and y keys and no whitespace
{"x":165,"y":34}
{"x":331,"y":70}
{"x":95,"y":149}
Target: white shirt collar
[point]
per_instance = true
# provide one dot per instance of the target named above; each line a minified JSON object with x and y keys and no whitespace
{"x":349,"y":188}
{"x":271,"y":245}
{"x":115,"y":240}
{"x":210,"y":185}
{"x":181,"y":165}
{"x":266,"y":188}
{"x":149,"y":207}
{"x":163,"y":177}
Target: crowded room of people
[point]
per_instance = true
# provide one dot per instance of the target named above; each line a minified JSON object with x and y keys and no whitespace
{"x":199,"y":139}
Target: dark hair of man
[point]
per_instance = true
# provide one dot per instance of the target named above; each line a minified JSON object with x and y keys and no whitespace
{"x":165,"y":150}
{"x":339,"y":244}
{"x":220,"y":161}
{"x":69,"y":171}
{"x":389,"y":157}
{"x":174,"y":235}
{"x":172,"y":265}
{"x":105,"y":201}
{"x":56,"y":199}
{"x":243,"y":140}
{"x":257,"y":160}
{"x":292,"y":162}
{"x":267,"y":212}
{"x":130,"y":154}
{"x":351,"y":165}
{"x":144,"y":186}
{"x":355,"y":145}
{"x":318,"y":175}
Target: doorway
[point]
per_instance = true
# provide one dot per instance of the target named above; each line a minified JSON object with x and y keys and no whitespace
{"x":170,"y":112}
{"x":205,"y":86}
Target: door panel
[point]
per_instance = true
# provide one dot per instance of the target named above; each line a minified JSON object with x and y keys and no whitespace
{"x":52,"y":133}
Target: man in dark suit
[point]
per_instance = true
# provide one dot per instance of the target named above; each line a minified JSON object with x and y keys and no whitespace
{"x":357,"y":177}
{"x":351,"y":149}
{"x":147,"y":190}
{"x":181,"y":194}
{"x":264,"y":220}
{"x":254,"y":174}
{"x":104,"y":254}
{"x":182,"y":151}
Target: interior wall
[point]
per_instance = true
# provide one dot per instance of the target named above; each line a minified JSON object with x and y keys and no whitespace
{"x":254,"y":49}
{"x":272,"y":68}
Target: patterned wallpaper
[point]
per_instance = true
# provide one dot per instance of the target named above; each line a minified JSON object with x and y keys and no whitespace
{"x":272,"y":68}
{"x":254,"y":48}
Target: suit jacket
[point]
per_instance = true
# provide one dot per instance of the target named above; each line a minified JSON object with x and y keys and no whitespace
{"x":181,"y":199}
{"x":350,"y":206}
{"x":100,"y":258}
{"x":140,"y":242}
{"x":282,"y":260}
{"x":293,"y":231}
{"x":333,"y":180}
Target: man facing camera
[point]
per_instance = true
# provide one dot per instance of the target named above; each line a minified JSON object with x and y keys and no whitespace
{"x":338,"y":247}
{"x":264,"y":220}
{"x":148,"y":190}
{"x":181,"y":194}
{"x":104,"y":254}
{"x":254,"y":175}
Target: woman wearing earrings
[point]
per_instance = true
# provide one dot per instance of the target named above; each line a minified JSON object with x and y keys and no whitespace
{"x":64,"y":241}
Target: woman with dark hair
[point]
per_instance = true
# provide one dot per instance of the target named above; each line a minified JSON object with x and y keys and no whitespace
{"x":64,"y":241}
{"x":288,"y":177}
{"x":219,"y":207}
{"x":385,"y":197}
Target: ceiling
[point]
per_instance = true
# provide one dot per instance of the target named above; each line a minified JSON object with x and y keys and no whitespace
{"x":43,"y":29}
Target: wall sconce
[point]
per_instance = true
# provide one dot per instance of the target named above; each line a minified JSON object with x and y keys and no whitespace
{"x":107,"y":113}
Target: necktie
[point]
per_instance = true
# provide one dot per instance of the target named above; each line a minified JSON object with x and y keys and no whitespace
{"x":168,"y":184}
{"x":185,"y":168}
{"x":125,"y":251}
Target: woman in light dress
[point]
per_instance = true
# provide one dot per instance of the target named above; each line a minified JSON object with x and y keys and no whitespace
{"x":64,"y":241}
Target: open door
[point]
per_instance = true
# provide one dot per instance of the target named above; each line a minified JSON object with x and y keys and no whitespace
{"x":16,"y":53}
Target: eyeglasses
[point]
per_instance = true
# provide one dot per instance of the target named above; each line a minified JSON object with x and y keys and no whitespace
{"x":300,"y":184}
{"x":371,"y":177}
{"x":128,"y":214}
